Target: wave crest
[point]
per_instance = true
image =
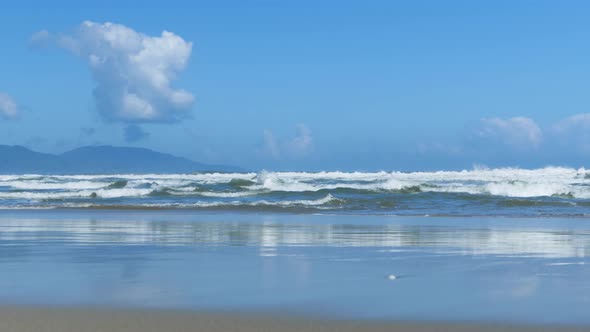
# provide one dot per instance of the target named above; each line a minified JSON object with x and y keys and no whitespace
{"x":501,"y":188}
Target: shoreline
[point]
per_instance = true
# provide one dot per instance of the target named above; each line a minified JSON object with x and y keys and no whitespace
{"x":15,"y":318}
{"x":205,"y":212}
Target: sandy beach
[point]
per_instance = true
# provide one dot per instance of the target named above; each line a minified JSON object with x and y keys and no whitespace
{"x":94,"y":320}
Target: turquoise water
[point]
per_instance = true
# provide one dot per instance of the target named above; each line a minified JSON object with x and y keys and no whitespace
{"x":355,"y":267}
{"x":550,"y":192}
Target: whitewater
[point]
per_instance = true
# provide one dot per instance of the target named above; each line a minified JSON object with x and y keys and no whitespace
{"x":549,"y":191}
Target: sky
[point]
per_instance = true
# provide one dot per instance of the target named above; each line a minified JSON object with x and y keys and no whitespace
{"x":303,"y":85}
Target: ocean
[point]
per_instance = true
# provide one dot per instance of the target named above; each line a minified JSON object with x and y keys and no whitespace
{"x":486,"y":245}
{"x":551,"y":191}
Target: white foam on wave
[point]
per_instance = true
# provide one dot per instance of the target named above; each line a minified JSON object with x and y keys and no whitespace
{"x":274,"y":181}
{"x":523,"y":189}
{"x":315,"y":202}
{"x":320,"y":201}
{"x":202,"y":204}
{"x":205,"y":177}
{"x":508,"y":182}
{"x":226,"y":194}
{"x":123,"y":192}
{"x":102,"y":193}
{"x":41,"y":185}
{"x":565,"y":263}
{"x":301,"y":182}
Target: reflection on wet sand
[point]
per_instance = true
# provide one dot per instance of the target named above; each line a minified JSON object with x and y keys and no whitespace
{"x":445,"y":269}
{"x":270,"y":235}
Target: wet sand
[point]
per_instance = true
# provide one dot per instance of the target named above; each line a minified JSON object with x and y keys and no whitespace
{"x":366,"y":270}
{"x":94,"y":320}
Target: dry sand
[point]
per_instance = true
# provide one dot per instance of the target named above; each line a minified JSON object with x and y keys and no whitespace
{"x":94,"y":320}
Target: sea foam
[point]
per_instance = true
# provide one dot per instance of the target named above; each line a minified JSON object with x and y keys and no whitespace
{"x":437,"y":192}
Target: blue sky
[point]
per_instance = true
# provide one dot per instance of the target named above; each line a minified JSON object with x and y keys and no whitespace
{"x":351,"y":85}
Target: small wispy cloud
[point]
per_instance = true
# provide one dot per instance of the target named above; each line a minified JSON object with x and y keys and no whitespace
{"x":518,"y":132}
{"x":298,"y":146}
{"x":302,"y":143}
{"x":574,"y":122}
{"x":573,"y":132}
{"x":8,"y":107}
{"x":40,"y":38}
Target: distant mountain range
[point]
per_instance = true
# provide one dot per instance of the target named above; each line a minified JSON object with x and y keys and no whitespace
{"x":99,"y":160}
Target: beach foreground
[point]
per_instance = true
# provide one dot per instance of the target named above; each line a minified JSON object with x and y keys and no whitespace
{"x":168,"y":270}
{"x":94,"y":320}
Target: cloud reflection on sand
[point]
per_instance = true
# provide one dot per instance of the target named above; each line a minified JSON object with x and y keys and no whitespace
{"x":270,"y":236}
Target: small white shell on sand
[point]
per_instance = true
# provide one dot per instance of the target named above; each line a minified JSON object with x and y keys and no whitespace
{"x":391,"y":277}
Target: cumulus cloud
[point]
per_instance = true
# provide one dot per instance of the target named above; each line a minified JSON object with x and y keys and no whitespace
{"x":298,"y":146}
{"x":519,"y":132}
{"x":133,"y":71}
{"x":8,"y":107}
{"x":516,"y":140}
{"x":134,"y":133}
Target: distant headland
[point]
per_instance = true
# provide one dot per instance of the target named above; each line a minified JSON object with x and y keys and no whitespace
{"x":103,"y":159}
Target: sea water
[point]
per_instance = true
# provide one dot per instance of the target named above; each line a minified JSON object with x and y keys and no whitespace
{"x":551,"y":191}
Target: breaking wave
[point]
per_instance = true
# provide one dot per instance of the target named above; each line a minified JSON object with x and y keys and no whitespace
{"x":550,"y":190}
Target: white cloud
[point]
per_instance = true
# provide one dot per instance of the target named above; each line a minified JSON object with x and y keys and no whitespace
{"x":574,"y":122}
{"x":298,"y":146}
{"x":8,"y":107}
{"x":518,"y":132}
{"x":133,"y":71}
{"x":40,"y":38}
{"x":573,"y":132}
